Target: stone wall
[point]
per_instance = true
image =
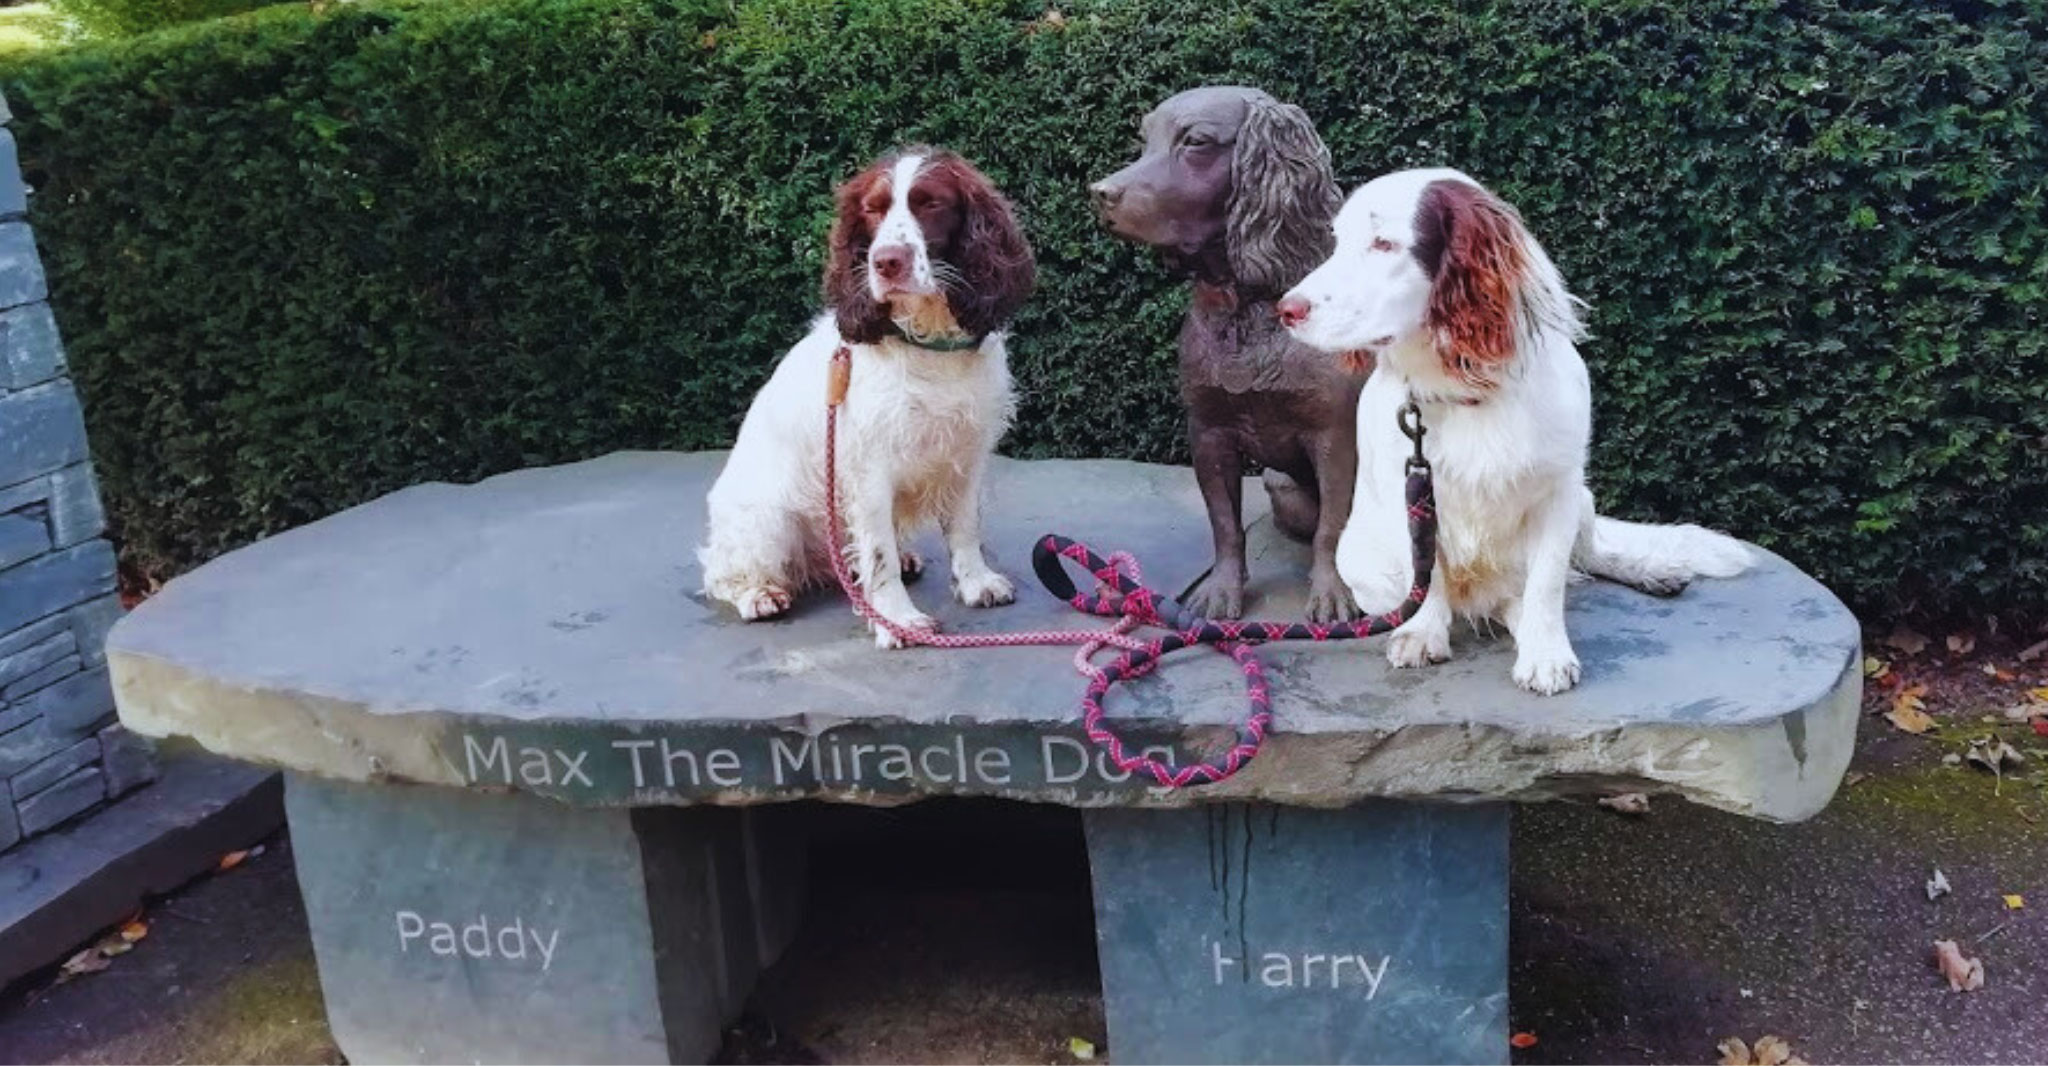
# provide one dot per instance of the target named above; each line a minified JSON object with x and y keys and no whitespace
{"x":61,"y":752}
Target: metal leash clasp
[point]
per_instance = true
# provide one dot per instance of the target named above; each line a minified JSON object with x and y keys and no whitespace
{"x":1410,"y":417}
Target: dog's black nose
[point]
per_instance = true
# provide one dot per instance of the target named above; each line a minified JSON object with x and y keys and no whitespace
{"x":892,"y":261}
{"x":1105,"y":195}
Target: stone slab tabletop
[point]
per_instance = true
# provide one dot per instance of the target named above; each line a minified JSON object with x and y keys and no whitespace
{"x":543,"y":631}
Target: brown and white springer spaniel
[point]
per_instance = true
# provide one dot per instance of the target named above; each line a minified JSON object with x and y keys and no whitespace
{"x":1438,"y":285}
{"x":927,"y":266}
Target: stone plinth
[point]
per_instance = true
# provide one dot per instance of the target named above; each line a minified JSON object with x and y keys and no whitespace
{"x":597,"y":743}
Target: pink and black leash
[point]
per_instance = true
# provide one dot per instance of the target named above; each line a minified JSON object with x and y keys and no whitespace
{"x":1121,"y":594}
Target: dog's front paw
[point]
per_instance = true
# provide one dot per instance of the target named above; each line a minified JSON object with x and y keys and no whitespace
{"x":1329,"y":602}
{"x":1661,"y":584}
{"x":762,"y":601}
{"x":985,"y":589}
{"x":1418,"y":647}
{"x":916,"y":620}
{"x":1217,"y":597}
{"x":1546,"y":673}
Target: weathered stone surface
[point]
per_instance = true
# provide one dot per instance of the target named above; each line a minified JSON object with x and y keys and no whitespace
{"x":22,"y":537}
{"x":42,"y":587}
{"x":13,"y":193}
{"x":21,"y":272}
{"x":45,"y":431}
{"x":394,"y":641}
{"x":90,"y":622}
{"x":29,"y":350}
{"x":456,"y":926}
{"x":1257,"y":934}
{"x":67,"y":797}
{"x":10,"y":829}
{"x":53,"y":769}
{"x":27,"y":741}
{"x":22,"y":688}
{"x":61,"y":888}
{"x":130,"y":761}
{"x":77,"y":704}
{"x":56,"y":644}
{"x":75,"y":512}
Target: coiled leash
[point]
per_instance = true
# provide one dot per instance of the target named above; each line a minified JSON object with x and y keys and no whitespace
{"x":1120,"y":593}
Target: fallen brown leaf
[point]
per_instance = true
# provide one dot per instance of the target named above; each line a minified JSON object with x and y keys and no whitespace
{"x":1522,"y":1040}
{"x":1937,"y":886}
{"x":231,"y":860}
{"x":2033,"y":651}
{"x":2040,"y":726}
{"x":134,"y":931}
{"x":1959,"y":644}
{"x":1908,"y":717}
{"x":1627,"y":803}
{"x":1907,"y":641}
{"x":1734,"y":1052}
{"x":1964,"y":975}
{"x":1771,"y":1051}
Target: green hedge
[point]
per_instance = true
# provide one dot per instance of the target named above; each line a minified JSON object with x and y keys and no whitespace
{"x":305,"y":259}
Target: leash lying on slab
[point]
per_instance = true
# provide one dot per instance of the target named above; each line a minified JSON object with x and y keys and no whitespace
{"x":1122,"y":594}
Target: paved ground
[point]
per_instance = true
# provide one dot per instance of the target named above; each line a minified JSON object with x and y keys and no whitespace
{"x":1635,"y":939}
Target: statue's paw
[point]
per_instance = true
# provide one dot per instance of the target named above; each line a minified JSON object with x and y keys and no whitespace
{"x":1330,"y":603}
{"x":1217,"y":598}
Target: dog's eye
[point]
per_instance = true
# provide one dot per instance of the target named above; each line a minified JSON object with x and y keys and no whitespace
{"x":1194,"y":139}
{"x":1381,"y":244}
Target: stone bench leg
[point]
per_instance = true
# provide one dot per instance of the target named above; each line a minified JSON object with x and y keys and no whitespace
{"x":455,"y":926}
{"x":1260,"y":934}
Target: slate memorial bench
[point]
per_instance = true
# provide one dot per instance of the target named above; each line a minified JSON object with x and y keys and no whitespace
{"x":541,"y":790}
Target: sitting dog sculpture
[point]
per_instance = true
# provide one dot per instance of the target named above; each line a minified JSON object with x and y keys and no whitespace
{"x":1234,"y":188}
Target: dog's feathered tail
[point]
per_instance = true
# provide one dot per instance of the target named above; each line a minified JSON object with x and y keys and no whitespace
{"x":1659,"y":559}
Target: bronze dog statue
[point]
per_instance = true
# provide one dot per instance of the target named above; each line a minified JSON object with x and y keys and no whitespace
{"x":1235,"y":190}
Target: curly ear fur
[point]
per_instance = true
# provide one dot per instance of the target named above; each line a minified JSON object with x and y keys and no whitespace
{"x":1484,"y":291}
{"x":997,"y":269}
{"x":862,"y":319}
{"x":1283,"y":196}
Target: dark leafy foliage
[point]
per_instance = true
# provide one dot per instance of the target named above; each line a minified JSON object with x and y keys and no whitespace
{"x":305,"y":259}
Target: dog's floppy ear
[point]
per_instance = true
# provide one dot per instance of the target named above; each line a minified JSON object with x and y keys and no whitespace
{"x":1475,"y":249}
{"x":997,"y":269}
{"x":862,"y":319}
{"x":1282,"y":198}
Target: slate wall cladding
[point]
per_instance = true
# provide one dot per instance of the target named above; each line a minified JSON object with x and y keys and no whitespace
{"x":61,"y":752}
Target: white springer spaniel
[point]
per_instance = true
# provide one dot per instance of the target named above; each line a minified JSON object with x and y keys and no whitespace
{"x":1438,"y":283}
{"x":927,"y":265}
